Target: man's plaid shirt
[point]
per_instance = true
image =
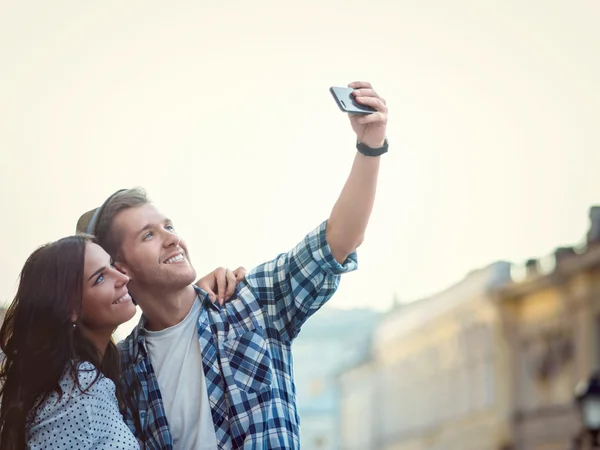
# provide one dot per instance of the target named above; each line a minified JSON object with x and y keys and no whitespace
{"x":246,"y":353}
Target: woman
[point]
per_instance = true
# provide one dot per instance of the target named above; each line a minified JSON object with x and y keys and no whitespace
{"x":60,"y":374}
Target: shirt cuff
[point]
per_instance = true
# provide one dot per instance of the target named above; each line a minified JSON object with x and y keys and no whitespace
{"x":321,"y":253}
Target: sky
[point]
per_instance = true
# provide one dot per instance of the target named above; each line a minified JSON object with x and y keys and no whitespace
{"x":222,"y":112}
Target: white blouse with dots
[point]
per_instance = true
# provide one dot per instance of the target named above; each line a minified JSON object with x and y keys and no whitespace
{"x":81,"y":420}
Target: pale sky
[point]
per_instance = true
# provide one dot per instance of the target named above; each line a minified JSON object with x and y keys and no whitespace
{"x":222,"y":112}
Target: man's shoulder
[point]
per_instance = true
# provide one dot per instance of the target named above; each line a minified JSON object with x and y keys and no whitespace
{"x":125,"y":343}
{"x":244,"y":311}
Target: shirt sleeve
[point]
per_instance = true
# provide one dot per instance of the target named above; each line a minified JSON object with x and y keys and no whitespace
{"x":294,"y":285}
{"x":86,"y":418}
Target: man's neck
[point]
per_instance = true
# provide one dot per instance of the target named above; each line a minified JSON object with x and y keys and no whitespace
{"x":165,"y":309}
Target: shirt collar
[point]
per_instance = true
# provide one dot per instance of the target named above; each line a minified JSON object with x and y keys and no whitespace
{"x":205,"y":299}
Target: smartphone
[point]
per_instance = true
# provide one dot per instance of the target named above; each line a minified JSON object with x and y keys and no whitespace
{"x":345,"y":100}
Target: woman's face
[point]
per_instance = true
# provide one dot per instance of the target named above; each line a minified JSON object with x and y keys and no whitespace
{"x":106,"y":304}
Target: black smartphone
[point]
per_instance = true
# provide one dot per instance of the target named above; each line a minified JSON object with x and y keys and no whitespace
{"x":345,"y":100}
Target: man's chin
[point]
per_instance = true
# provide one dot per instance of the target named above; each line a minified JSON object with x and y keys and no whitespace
{"x":181,"y":270}
{"x":176,"y":283}
{"x":189,"y":278}
{"x":167,"y":280}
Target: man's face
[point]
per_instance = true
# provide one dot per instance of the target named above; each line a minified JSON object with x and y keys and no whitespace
{"x":153,"y":256}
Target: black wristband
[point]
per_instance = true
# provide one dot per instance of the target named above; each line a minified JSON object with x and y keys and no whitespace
{"x":368,"y":151}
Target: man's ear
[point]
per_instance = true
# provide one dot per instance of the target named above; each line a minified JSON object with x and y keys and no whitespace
{"x":123,"y":268}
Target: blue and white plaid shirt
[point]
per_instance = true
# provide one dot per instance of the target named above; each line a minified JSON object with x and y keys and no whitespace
{"x":246,"y":353}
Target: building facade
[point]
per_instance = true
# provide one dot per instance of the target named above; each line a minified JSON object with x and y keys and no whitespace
{"x":330,"y":340}
{"x":551,"y":317}
{"x":435,"y":379}
{"x":358,"y":416}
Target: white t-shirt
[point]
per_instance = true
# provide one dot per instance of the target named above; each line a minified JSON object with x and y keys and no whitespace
{"x":177,"y":360}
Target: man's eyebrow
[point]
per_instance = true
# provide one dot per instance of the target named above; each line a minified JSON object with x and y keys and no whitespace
{"x":148,"y":226}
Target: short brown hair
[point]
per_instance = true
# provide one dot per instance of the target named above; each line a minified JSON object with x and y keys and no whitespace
{"x":99,"y":221}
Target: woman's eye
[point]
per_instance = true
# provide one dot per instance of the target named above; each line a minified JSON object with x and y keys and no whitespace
{"x":99,"y":280}
{"x":170,"y":227}
{"x":148,"y":235}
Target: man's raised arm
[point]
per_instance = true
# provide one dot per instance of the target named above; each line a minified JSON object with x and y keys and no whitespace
{"x":350,"y":215}
{"x":294,"y":285}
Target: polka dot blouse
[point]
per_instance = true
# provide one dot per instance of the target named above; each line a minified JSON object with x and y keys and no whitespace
{"x":81,"y":421}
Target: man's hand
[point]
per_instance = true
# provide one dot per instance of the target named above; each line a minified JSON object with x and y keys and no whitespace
{"x":369,"y":128}
{"x":220,"y":284}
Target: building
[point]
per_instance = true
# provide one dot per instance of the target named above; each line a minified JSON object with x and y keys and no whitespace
{"x":435,"y":377}
{"x":329,"y":340}
{"x":551,"y":316}
{"x":358,"y":406}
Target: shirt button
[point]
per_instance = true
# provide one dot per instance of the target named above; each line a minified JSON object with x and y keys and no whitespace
{"x":143,"y":414}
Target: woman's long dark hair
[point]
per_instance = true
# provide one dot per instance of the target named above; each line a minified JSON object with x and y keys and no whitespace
{"x":39,"y":340}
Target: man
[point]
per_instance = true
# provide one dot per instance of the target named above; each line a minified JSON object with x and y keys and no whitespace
{"x":203,"y":376}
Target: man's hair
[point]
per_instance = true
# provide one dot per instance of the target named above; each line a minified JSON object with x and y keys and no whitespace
{"x":106,"y":234}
